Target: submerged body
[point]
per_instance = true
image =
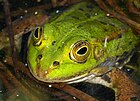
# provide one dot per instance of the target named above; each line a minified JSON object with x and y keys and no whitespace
{"x":71,"y":45}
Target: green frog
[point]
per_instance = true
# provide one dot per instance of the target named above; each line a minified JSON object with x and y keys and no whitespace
{"x":79,"y":44}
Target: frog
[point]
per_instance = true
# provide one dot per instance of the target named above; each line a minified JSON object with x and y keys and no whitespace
{"x":80,"y":44}
{"x":77,"y":41}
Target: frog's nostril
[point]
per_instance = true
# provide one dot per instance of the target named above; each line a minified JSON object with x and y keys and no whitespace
{"x":40,"y":56}
{"x":56,"y":63}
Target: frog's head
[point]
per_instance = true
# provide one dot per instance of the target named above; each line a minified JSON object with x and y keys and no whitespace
{"x":56,"y":56}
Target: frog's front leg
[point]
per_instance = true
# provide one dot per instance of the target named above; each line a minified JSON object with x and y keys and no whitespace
{"x":125,"y":89}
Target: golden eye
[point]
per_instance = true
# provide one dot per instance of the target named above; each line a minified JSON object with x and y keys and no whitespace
{"x":80,"y":51}
{"x":37,"y":36}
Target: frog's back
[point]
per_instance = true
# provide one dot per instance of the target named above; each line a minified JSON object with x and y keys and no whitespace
{"x":88,"y":19}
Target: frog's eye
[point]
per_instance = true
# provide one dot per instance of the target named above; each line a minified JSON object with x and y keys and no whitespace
{"x":37,"y":36}
{"x":80,"y":51}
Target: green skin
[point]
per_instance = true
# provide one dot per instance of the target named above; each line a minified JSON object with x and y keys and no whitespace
{"x":83,"y":22}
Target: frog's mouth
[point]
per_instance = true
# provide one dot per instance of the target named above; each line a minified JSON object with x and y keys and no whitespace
{"x":96,"y":72}
{"x":77,"y":79}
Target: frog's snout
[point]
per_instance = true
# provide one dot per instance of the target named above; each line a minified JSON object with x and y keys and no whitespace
{"x":42,"y":74}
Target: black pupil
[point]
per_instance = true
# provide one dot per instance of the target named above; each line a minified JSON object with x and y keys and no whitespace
{"x":36,"y":33}
{"x":82,"y":51}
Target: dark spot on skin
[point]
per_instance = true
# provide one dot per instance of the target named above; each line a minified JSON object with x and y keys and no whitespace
{"x":39,"y":56}
{"x":87,"y":15}
{"x":130,"y":42}
{"x":79,"y":26}
{"x":119,"y":36}
{"x":38,"y":69}
{"x":105,"y":29}
{"x":56,"y":63}
{"x":103,"y":22}
{"x":83,"y":43}
{"x":134,"y":99}
{"x":81,"y":9}
{"x":53,"y":43}
{"x":75,"y":17}
{"x":89,"y":6}
{"x":106,"y":78}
